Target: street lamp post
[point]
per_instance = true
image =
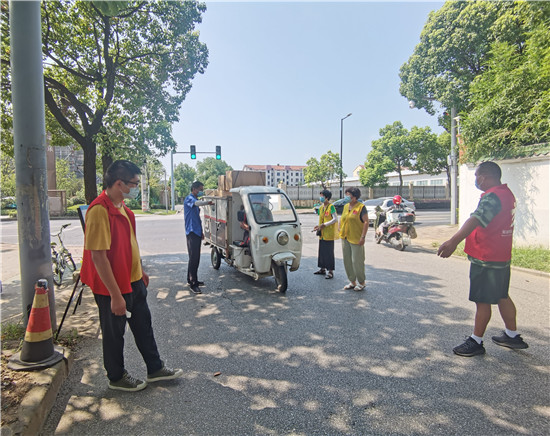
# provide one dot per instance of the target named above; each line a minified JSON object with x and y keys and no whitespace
{"x":452,"y":160}
{"x":342,"y":152}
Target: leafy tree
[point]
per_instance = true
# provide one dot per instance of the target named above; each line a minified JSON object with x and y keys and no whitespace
{"x":7,"y":175}
{"x":511,"y":100}
{"x":398,"y":149}
{"x":184,"y":175}
{"x":154,"y":173}
{"x":115,"y":75}
{"x":323,"y":170}
{"x":431,"y":151}
{"x":208,"y":171}
{"x":392,"y":152}
{"x":66,"y":179}
{"x":454,"y":48}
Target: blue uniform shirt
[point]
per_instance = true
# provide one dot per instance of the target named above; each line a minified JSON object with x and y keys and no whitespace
{"x":192,"y":215}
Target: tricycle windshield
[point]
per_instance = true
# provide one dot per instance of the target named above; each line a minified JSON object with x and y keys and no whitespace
{"x":271,"y":208}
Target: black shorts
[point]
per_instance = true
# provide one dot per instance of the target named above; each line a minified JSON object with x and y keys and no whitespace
{"x":488,"y":285}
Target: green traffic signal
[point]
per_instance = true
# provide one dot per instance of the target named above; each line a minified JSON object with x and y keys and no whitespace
{"x":218,"y":152}
{"x":193,"y":152}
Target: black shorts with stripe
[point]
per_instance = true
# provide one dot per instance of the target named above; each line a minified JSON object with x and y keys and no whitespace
{"x":488,"y":285}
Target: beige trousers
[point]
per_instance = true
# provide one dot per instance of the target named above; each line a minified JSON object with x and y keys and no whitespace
{"x":354,"y":261}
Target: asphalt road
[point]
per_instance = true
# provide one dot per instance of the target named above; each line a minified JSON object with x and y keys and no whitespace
{"x":318,"y":359}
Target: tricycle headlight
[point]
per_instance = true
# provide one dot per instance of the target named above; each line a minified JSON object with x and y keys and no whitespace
{"x":282,"y":238}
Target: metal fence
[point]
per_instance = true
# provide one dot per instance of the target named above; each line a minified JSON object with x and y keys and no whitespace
{"x":311,"y":193}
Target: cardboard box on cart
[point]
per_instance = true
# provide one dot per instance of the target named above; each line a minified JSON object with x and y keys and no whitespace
{"x":234,"y":179}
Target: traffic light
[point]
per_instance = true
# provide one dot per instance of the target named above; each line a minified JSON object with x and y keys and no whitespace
{"x":193,"y":152}
{"x":218,"y":152}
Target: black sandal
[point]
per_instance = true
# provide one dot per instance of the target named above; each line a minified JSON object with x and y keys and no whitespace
{"x":321,"y":271}
{"x":329,"y":275}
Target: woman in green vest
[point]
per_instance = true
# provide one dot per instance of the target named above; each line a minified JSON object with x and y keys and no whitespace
{"x":327,"y":230}
{"x":353,"y":230}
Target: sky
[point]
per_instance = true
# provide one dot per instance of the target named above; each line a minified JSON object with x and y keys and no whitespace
{"x":282,"y":75}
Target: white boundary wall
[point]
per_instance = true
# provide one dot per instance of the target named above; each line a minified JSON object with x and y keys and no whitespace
{"x":529,"y":180}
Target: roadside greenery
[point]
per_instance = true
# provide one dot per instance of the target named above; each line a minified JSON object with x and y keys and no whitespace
{"x":399,"y":149}
{"x":12,"y":331}
{"x":323,"y":170}
{"x":511,"y":99}
{"x":535,"y":258}
{"x":491,"y":62}
{"x":115,"y":76}
{"x":208,"y":171}
{"x":66,"y":179}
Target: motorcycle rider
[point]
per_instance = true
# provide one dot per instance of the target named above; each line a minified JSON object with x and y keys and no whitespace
{"x":387,"y":217}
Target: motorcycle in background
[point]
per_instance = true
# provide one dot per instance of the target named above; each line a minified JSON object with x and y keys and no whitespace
{"x":396,"y":226}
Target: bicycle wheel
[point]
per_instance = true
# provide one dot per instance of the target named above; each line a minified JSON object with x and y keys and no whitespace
{"x":69,"y":262}
{"x":57,"y":273}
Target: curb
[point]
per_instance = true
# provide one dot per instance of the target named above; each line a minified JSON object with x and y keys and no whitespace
{"x":38,"y":402}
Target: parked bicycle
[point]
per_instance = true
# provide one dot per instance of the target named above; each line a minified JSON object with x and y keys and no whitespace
{"x":61,"y":258}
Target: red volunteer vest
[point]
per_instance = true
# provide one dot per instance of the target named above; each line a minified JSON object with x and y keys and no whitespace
{"x":120,"y":253}
{"x":494,"y":242}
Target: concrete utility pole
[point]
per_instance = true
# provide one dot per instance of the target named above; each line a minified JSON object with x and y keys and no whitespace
{"x":172,"y":190}
{"x":29,"y":134}
{"x":454,"y":168}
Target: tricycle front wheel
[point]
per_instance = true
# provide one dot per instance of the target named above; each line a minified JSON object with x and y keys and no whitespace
{"x":215,"y":258}
{"x":279,"y":272}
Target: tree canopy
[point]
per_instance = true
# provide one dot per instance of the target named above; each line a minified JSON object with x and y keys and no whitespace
{"x":511,"y":99}
{"x":209,"y":169}
{"x":323,"y":170}
{"x":184,"y":175}
{"x":490,"y":61}
{"x":453,"y":49}
{"x":398,"y":149}
{"x":115,"y":76}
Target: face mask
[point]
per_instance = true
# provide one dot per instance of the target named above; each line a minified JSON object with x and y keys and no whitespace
{"x":200,"y":194}
{"x":322,"y":199}
{"x":477,"y":185}
{"x":347,"y":198}
{"x":132,"y":195}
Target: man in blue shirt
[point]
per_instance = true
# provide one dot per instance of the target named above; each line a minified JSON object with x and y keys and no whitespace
{"x":194,"y":233}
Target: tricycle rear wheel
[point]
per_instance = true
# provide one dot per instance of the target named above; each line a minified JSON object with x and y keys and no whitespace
{"x":215,"y":258}
{"x":279,"y":272}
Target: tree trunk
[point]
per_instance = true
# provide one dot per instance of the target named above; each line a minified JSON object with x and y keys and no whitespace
{"x":106,"y":161}
{"x":400,"y":181}
{"x":90,"y":186}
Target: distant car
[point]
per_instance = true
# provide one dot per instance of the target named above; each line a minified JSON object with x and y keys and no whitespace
{"x":371,"y":207}
{"x":8,"y":203}
{"x":338,"y":205}
{"x":385,"y":203}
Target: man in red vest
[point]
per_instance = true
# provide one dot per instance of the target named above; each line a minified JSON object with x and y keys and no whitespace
{"x":111,"y":267}
{"x":489,"y":236}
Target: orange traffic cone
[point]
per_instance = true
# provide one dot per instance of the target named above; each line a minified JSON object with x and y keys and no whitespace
{"x":37,"y":351}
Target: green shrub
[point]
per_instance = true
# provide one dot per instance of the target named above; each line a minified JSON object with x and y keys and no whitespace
{"x":76,"y":200}
{"x":132,"y":204}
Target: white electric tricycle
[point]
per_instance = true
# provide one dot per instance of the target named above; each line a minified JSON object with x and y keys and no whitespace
{"x":271,"y":246}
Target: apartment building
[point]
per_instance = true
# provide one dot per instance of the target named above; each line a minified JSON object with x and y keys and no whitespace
{"x":291,"y":175}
